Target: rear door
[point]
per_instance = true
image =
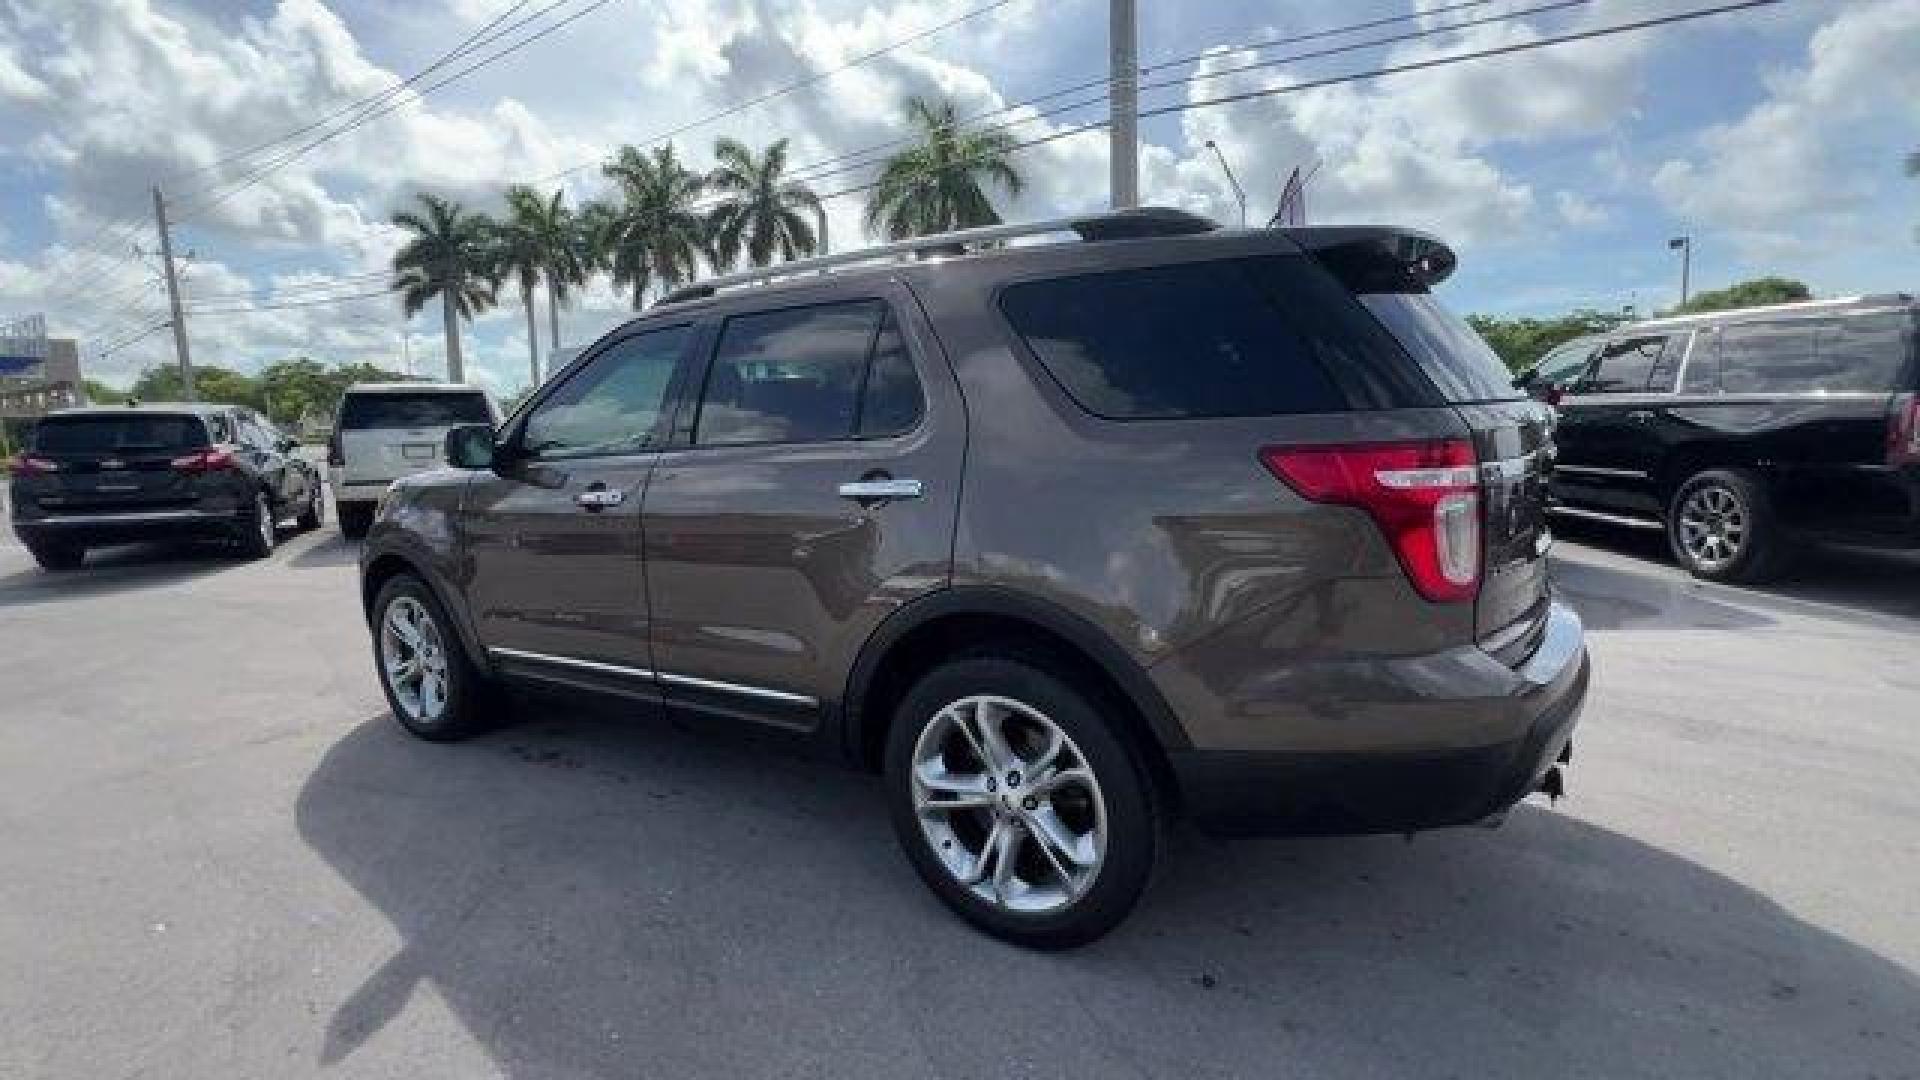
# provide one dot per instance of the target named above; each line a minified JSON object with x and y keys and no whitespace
{"x":813,"y":492}
{"x":1513,"y":438}
{"x":385,"y":435}
{"x":113,"y":462}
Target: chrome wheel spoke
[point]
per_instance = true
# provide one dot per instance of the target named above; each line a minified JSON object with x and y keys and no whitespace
{"x":993,"y":736}
{"x":935,"y":788}
{"x":1063,"y":779}
{"x":1057,"y":838}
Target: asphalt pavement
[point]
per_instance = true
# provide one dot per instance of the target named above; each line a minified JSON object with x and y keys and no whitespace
{"x":220,"y":858}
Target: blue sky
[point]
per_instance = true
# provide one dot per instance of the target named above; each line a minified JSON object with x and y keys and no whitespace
{"x":1772,"y":137}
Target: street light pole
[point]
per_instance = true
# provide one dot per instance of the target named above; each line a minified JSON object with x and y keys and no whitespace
{"x":179,"y":319}
{"x":1239,"y":192}
{"x":1684,"y":245}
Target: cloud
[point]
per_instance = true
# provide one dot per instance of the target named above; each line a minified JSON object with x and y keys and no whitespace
{"x":1578,"y":211}
{"x":1811,"y":165}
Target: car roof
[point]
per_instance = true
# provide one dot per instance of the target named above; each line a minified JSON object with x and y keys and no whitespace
{"x":414,"y":388}
{"x":1801,"y":310}
{"x":197,"y":408}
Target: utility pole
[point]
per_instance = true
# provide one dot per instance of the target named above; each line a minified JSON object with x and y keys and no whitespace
{"x":1123,"y":41}
{"x":1239,"y":192}
{"x":173,"y":296}
{"x":1683,"y":245}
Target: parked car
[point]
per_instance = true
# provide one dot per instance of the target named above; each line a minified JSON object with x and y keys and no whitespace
{"x":384,"y":431}
{"x":122,"y":474}
{"x":1060,"y":537}
{"x":1748,"y":434}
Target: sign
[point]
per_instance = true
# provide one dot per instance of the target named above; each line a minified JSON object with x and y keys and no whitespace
{"x":23,"y":346}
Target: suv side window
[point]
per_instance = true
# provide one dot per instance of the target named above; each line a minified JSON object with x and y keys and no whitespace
{"x":1769,"y":358}
{"x":1630,"y":366}
{"x":220,"y":428}
{"x":613,"y":404}
{"x":796,"y":375}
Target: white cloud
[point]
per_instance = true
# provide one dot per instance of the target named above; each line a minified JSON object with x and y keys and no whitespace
{"x":1578,"y":211}
{"x":1811,"y":166}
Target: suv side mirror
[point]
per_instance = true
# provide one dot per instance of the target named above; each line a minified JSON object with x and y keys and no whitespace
{"x":470,"y":446}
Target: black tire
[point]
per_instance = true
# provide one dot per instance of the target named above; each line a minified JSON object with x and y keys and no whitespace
{"x":469,"y":699}
{"x":58,"y":558}
{"x":354,"y":519}
{"x":1133,"y":819}
{"x":257,"y":533}
{"x":1722,"y":527}
{"x":314,"y":513}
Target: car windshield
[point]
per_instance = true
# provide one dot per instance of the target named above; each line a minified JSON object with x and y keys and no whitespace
{"x":118,"y":434}
{"x":413,"y":410}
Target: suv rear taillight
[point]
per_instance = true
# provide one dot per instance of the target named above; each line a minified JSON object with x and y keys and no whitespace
{"x":1425,"y":496}
{"x":212,"y":459}
{"x":28,"y":465}
{"x":1903,"y":431}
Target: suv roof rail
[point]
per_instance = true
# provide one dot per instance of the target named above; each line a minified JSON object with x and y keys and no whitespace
{"x":1093,"y":228}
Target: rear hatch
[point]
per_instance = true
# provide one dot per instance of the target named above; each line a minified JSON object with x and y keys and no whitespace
{"x":1512,"y":434}
{"x":386,"y":435}
{"x":111,"y":462}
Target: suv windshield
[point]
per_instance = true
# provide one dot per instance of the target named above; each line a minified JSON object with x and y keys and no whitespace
{"x":1455,"y":357}
{"x":413,"y":409}
{"x":111,"y":434}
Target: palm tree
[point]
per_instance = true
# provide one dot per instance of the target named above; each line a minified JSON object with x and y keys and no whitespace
{"x":654,"y":235}
{"x":450,"y":255}
{"x":519,"y":253}
{"x":938,"y":184}
{"x":761,"y":212}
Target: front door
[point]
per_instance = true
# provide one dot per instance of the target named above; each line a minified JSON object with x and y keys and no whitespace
{"x":557,"y":589}
{"x":811,"y":492}
{"x":1610,"y":428}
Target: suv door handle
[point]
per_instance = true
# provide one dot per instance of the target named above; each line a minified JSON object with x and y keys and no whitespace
{"x":599,"y":498}
{"x":880,"y":488}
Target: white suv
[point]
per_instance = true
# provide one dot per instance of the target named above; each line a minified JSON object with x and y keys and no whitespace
{"x":385,"y":431}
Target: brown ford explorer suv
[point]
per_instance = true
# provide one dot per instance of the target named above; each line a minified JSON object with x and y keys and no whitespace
{"x":1061,"y":537}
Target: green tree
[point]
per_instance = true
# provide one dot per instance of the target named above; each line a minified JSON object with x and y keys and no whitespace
{"x":762,"y":212}
{"x":450,"y":256}
{"x":654,"y":235}
{"x":1754,"y":293}
{"x":939,"y":183}
{"x":100,"y":393}
{"x":1521,"y":343}
{"x":291,"y":389}
{"x":216,"y":384}
{"x":519,"y":254}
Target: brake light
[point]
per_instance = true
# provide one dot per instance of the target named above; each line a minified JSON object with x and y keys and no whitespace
{"x":28,"y":465}
{"x":211,"y":459}
{"x":1424,"y":496}
{"x":1903,"y":431}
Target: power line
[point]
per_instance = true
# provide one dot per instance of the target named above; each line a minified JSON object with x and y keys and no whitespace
{"x":284,"y":291}
{"x":318,"y":301}
{"x":1316,"y":35}
{"x":235,"y":187}
{"x":793,"y":87}
{"x":131,"y":339}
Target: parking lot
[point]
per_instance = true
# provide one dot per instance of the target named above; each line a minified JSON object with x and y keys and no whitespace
{"x":219,"y":858}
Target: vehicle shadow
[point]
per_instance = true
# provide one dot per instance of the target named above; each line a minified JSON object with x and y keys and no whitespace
{"x":331,"y":548}
{"x":1881,"y":583}
{"x":607,"y":899}
{"x":113,"y":570}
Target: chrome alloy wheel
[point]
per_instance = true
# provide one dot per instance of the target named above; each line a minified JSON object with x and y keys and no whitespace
{"x":1713,"y":526}
{"x":1009,"y":805}
{"x":413,"y":659}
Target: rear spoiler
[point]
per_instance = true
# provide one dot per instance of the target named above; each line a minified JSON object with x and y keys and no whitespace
{"x":1377,"y":259}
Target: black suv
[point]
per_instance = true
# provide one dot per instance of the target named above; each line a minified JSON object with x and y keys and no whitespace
{"x":125,"y":474}
{"x":1059,"y":536}
{"x":1746,"y":434}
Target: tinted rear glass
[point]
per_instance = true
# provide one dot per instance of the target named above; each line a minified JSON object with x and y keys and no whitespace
{"x":132,"y":433}
{"x":1239,"y":337}
{"x":1851,"y":354}
{"x":412,"y":410}
{"x":1456,"y":358}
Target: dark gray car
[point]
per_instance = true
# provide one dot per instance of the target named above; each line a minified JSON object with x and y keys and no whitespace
{"x":1062,"y":537}
{"x":159,"y":471}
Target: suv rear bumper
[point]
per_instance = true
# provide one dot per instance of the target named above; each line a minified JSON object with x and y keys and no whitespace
{"x":1422,"y":784}
{"x":130,"y":527}
{"x":344,"y":492}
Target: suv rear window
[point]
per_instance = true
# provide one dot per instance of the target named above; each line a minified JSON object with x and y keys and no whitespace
{"x":412,"y":410}
{"x":1235,"y":337}
{"x":1455,"y":357}
{"x":118,"y":434}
